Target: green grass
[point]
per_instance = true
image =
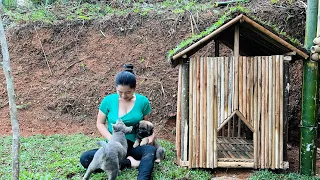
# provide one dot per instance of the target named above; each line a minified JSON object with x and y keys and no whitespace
{"x":267,"y":175}
{"x":57,"y":157}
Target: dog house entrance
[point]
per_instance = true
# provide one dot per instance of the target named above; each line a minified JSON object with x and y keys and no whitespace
{"x":235,"y":142}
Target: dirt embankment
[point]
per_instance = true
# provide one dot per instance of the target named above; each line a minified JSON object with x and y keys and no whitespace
{"x":62,"y":72}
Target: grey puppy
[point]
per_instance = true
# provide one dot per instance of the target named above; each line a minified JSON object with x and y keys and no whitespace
{"x":143,"y":130}
{"x":110,"y":154}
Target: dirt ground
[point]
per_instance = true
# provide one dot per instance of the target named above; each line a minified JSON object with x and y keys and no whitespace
{"x":61,"y":72}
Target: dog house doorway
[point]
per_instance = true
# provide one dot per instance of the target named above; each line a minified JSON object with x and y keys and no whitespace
{"x":235,"y":142}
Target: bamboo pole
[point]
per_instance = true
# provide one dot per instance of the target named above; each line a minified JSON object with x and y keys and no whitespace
{"x":215,"y":114}
{"x":310,"y":96}
{"x":281,"y":112}
{"x":201,"y":111}
{"x":191,"y":108}
{"x":178,"y":118}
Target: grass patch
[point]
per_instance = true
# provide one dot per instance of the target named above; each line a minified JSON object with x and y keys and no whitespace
{"x":57,"y":157}
{"x":272,"y":176}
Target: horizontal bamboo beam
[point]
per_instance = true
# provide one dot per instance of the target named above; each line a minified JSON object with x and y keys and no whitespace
{"x":275,"y":37}
{"x":236,"y":164}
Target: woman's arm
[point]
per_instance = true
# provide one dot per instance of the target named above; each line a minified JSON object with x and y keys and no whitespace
{"x":102,"y":125}
{"x":151,"y":138}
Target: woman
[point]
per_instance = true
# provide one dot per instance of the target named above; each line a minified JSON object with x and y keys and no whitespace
{"x":131,"y":108}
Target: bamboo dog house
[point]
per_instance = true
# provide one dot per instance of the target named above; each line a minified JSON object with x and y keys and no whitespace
{"x":231,"y":111}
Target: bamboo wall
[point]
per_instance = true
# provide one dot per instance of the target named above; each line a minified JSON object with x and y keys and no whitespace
{"x":234,"y":117}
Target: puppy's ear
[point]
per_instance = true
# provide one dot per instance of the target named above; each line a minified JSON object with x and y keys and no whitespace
{"x":151,"y":129}
{"x":136,"y":126}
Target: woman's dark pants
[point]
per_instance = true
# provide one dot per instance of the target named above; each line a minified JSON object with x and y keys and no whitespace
{"x":146,"y":155}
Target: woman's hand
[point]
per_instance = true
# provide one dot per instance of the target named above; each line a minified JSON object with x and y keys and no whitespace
{"x":151,"y":138}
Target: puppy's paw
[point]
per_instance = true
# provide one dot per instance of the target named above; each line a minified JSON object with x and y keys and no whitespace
{"x":144,"y":141}
{"x":136,"y":144}
{"x":157,"y":160}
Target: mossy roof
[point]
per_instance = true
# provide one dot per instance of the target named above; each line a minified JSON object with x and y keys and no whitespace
{"x":257,"y":38}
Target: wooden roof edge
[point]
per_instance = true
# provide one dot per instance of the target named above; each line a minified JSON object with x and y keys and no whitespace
{"x":204,"y":40}
{"x":275,"y":37}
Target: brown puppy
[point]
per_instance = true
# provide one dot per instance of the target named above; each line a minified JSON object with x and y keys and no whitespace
{"x":143,"y":130}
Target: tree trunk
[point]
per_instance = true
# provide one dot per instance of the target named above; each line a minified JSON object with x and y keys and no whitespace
{"x":12,"y":104}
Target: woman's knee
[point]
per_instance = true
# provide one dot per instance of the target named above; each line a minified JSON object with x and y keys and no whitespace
{"x":149,"y":149}
{"x":86,"y":157}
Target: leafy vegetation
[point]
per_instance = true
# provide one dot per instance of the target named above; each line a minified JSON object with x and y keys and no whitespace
{"x":57,"y":157}
{"x":272,"y":176}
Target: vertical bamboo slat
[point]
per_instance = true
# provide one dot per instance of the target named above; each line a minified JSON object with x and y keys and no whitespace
{"x":277,"y":111}
{"x":228,"y":93}
{"x":204,"y":142}
{"x":236,"y":92}
{"x":215,"y":114}
{"x":255,"y":122}
{"x":191,"y":100}
{"x":218,"y":91}
{"x":259,"y":111}
{"x":244,"y":87}
{"x":270,"y":115}
{"x":222,"y":91}
{"x":194,"y":115}
{"x":266,"y":113}
{"x":248,"y":99}
{"x":263,"y":75}
{"x":209,"y":111}
{"x":240,"y":102}
{"x":201,"y":120}
{"x":273,"y":112}
{"x":281,"y":111}
{"x":178,"y":120}
{"x":252,"y":108}
{"x":197,"y":114}
{"x":184,"y":109}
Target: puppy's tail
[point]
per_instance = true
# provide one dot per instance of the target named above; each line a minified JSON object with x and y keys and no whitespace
{"x":102,"y":143}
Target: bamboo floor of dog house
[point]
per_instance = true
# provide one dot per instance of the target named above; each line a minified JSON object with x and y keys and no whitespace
{"x":234,"y":149}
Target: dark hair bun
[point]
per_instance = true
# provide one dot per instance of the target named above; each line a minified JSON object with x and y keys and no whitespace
{"x":129,"y":68}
